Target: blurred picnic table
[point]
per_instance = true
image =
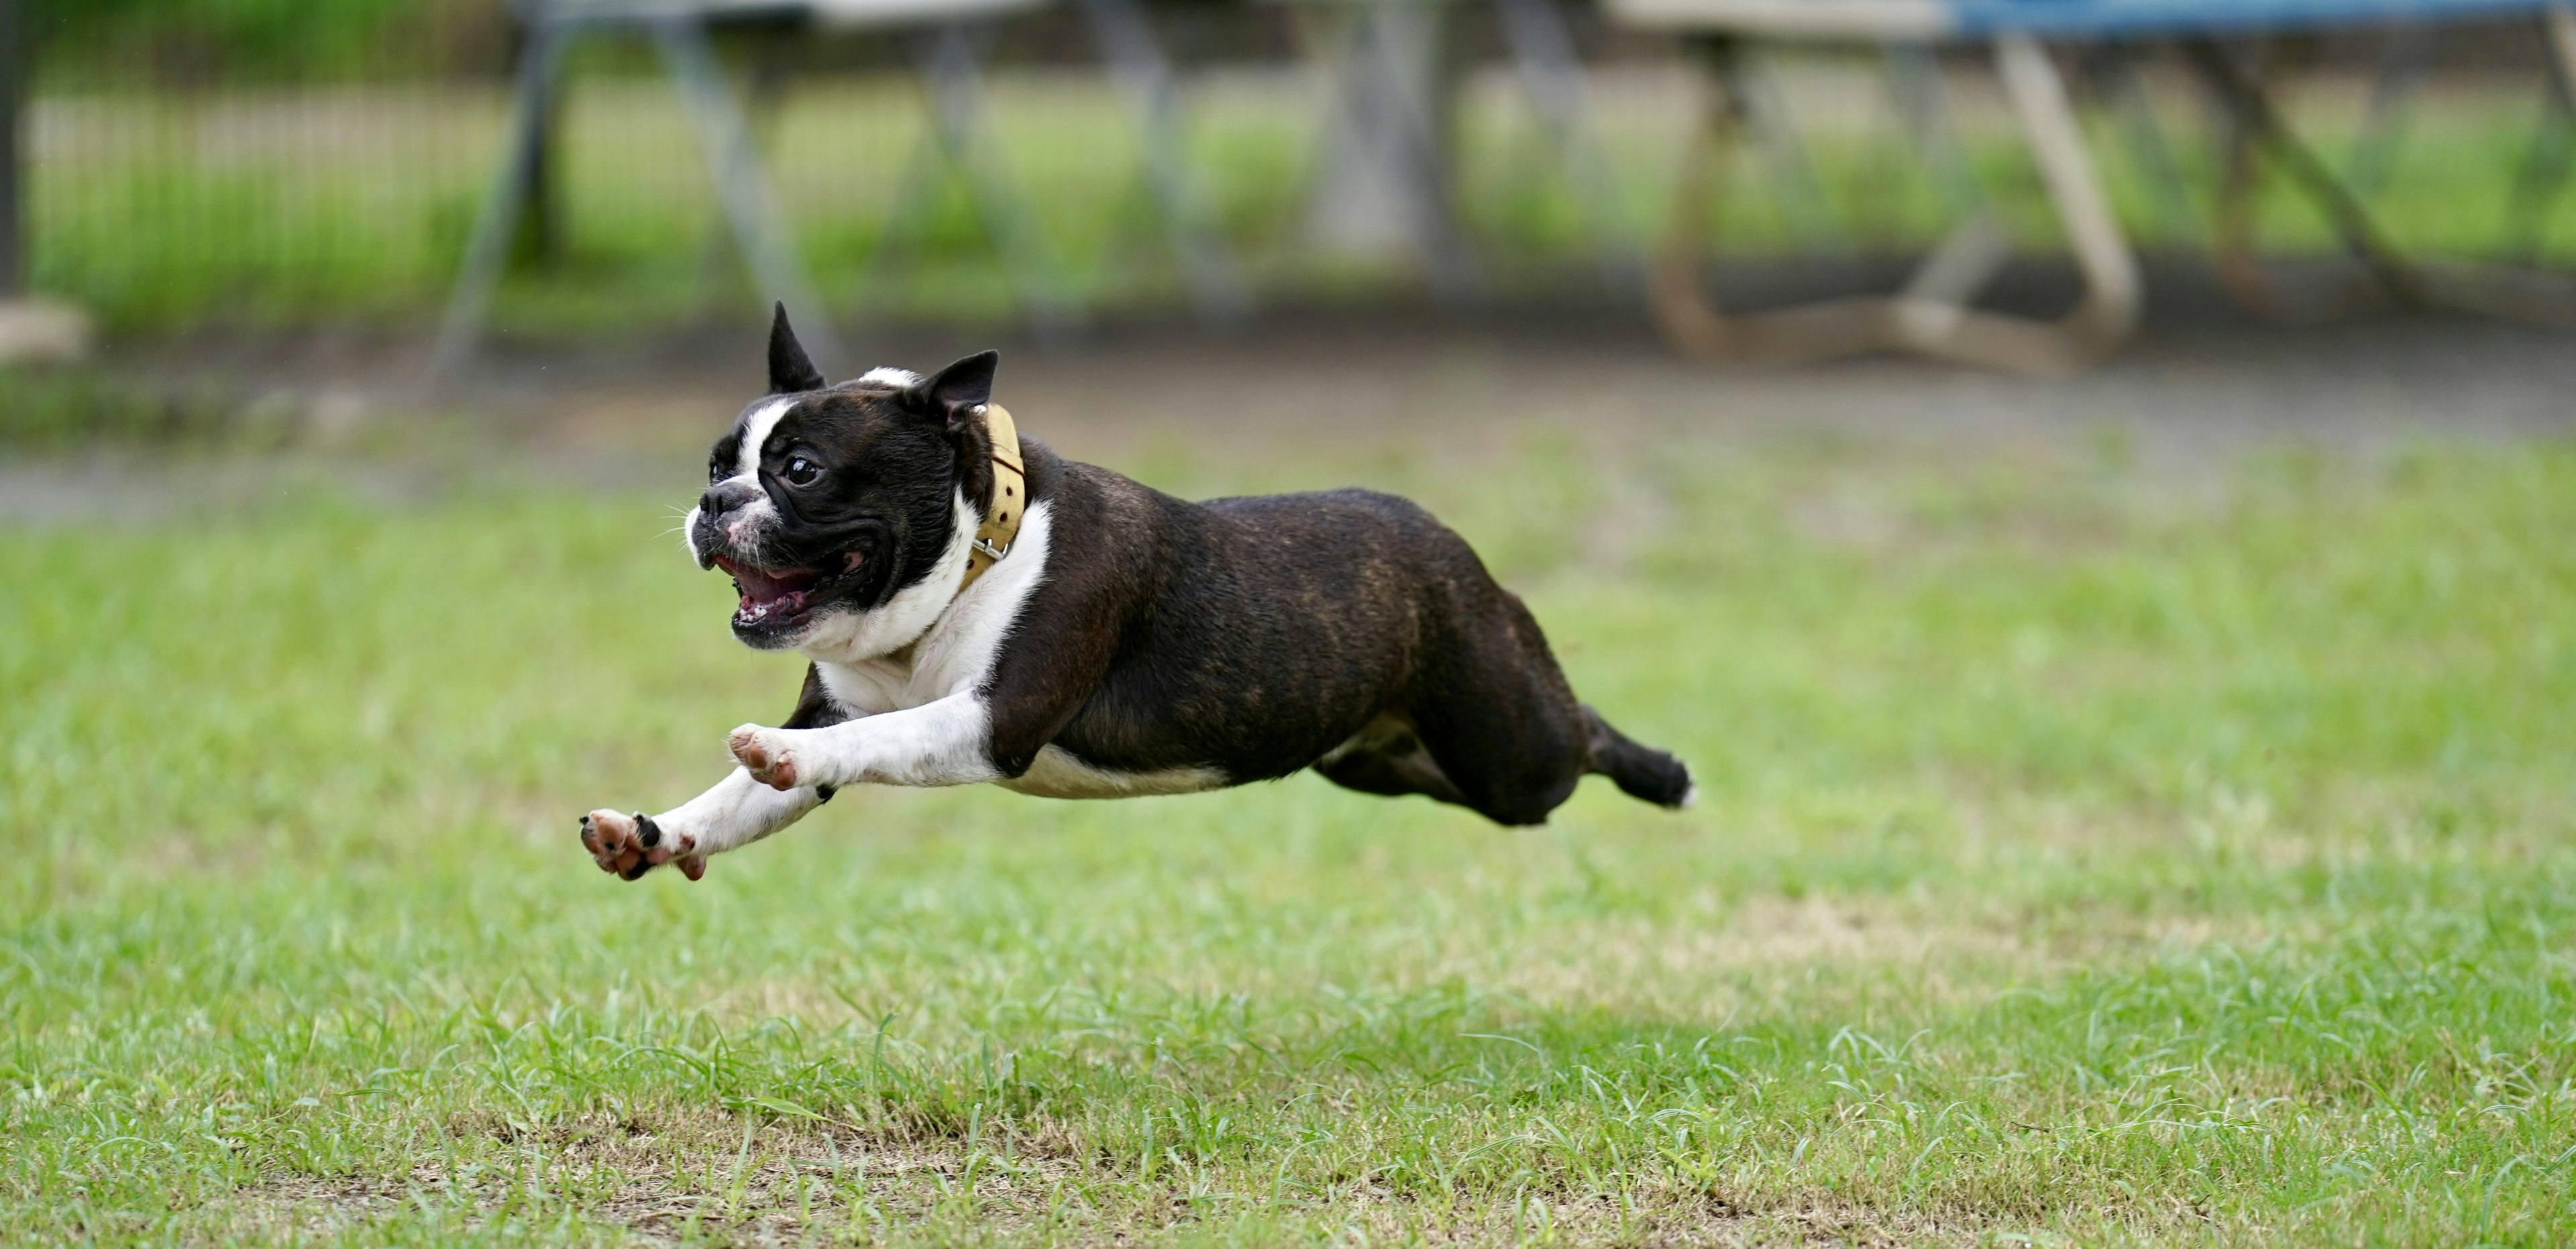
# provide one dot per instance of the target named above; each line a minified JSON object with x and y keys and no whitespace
{"x":1934,"y":313}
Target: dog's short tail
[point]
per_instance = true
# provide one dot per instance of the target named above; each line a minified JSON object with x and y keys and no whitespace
{"x":1639,"y":771}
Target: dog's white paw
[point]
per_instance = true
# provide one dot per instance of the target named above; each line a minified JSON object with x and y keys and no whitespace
{"x":631,"y":845}
{"x":765,"y":754}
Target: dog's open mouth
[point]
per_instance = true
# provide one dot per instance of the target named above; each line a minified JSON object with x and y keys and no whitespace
{"x":773,"y":596}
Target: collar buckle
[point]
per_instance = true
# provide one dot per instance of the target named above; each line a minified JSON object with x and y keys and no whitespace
{"x":990,"y":551}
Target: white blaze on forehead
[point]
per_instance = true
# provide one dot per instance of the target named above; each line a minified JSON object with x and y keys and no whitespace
{"x":755,"y":431}
{"x":888,"y":375}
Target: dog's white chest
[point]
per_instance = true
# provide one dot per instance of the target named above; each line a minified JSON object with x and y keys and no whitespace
{"x":955,"y":642}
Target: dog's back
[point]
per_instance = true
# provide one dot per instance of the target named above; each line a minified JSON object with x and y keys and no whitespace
{"x":1262,"y":634}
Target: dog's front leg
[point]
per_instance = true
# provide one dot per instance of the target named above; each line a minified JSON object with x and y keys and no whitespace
{"x":944,"y":742}
{"x":736,"y":812}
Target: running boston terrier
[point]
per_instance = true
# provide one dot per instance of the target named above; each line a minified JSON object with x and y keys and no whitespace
{"x":978,"y":608}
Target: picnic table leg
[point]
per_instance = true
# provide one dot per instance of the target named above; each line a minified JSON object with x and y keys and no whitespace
{"x":965,"y":131}
{"x":1977,"y":249}
{"x":1135,"y":59}
{"x":2107,"y":313}
{"x":2481,"y":289}
{"x":1914,"y":83}
{"x":487,"y":250}
{"x":1552,"y":76}
{"x":2519,"y":293}
{"x":2545,"y":167}
{"x":1677,"y":284}
{"x":2403,"y":63}
{"x":2233,"y":254}
{"x":2252,"y":110}
{"x":2115,"y":67}
{"x":733,"y":163}
{"x":1931,"y":317}
{"x":1762,"y":110}
{"x":1385,"y":174}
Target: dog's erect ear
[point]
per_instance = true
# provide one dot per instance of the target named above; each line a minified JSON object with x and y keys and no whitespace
{"x":789,"y":371}
{"x":952,"y":397}
{"x":960,"y":388}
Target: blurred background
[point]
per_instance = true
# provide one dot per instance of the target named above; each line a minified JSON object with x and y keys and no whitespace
{"x":2085,"y":484}
{"x":300,"y":217}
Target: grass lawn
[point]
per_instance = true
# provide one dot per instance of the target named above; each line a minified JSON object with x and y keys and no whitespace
{"x":2080,"y":858}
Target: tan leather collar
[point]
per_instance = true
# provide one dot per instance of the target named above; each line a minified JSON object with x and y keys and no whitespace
{"x":1001,"y":524}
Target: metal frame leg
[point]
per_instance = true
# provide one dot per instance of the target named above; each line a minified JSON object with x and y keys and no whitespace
{"x":733,"y":161}
{"x":1914,"y":86}
{"x":2553,"y":149}
{"x":764,"y":98}
{"x":1931,"y":317}
{"x":1805,"y":207}
{"x":1975,"y":250}
{"x":964,"y":129}
{"x":1144,"y":75}
{"x":2113,"y":291}
{"x":2520,"y":294}
{"x":2506,"y":293}
{"x":16,"y":62}
{"x":733,"y":164}
{"x":1552,"y":76}
{"x":2114,"y":67}
{"x":2403,"y":62}
{"x":2233,"y":255}
{"x":2260,"y":125}
{"x":487,"y":250}
{"x":1387,"y":117}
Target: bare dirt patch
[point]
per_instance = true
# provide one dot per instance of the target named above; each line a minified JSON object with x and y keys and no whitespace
{"x":686,"y":1175}
{"x":674,"y":1179}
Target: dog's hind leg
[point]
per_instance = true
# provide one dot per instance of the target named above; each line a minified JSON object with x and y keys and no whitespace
{"x":1502,"y":724}
{"x":1513,"y":763}
{"x":1388,"y":758}
{"x":1498,"y":718}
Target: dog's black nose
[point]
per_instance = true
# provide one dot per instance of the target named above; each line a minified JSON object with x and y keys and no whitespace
{"x":725,"y":496}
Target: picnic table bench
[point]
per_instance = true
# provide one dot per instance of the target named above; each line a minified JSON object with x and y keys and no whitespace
{"x":1933,"y":313}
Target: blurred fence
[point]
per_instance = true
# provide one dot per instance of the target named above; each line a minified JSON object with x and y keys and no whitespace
{"x":264,"y":161}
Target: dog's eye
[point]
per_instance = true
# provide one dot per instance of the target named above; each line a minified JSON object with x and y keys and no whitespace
{"x":801,"y":471}
{"x":715,"y":471}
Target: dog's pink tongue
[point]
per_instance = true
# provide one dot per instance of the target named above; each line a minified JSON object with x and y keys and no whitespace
{"x":764,"y":592}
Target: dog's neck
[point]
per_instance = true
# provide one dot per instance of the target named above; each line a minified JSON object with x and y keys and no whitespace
{"x":1010,"y":499}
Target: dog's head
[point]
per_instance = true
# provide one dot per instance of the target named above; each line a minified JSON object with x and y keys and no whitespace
{"x":824,"y":500}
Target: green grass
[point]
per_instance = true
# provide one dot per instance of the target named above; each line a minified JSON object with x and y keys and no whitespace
{"x":289,"y":205}
{"x":92,"y":42}
{"x":2079,"y":860}
{"x":56,"y":409}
